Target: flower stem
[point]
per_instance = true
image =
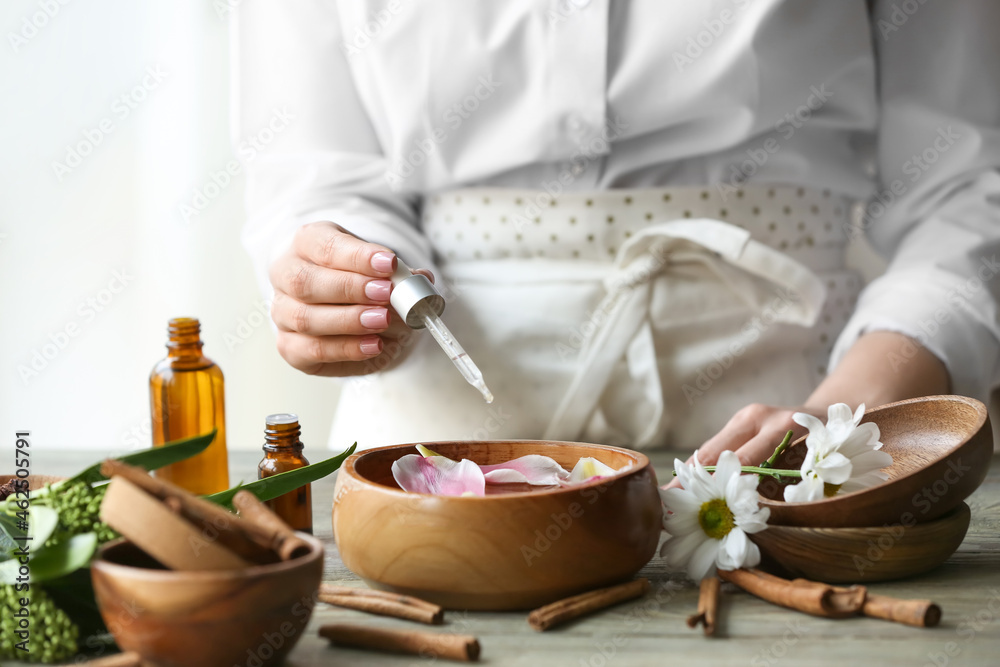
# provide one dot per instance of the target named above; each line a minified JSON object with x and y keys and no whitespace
{"x":758,"y":470}
{"x":769,"y":463}
{"x":767,"y":467}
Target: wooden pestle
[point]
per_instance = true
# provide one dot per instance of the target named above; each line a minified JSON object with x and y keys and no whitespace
{"x":284,"y":541}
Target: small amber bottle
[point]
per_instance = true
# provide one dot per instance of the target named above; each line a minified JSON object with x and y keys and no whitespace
{"x":283,"y":452}
{"x":187,"y":398}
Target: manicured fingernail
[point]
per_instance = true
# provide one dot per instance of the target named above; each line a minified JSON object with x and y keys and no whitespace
{"x":378,"y":290}
{"x":375,"y":318}
{"x":371,"y":345}
{"x":384,"y":262}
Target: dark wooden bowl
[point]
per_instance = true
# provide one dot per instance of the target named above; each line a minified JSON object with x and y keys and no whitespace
{"x":857,"y":555}
{"x":34,"y":481}
{"x":941,"y":448}
{"x":510,"y":551}
{"x":205,"y":618}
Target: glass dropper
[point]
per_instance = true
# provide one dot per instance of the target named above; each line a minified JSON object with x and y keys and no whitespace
{"x":463,"y":362}
{"x":420,"y":305}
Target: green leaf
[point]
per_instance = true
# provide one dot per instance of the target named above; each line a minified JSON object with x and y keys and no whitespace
{"x":154,"y":457}
{"x":42,"y":522}
{"x":282,"y":483}
{"x":54,"y":561}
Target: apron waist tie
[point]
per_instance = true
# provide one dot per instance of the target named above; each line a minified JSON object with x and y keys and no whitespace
{"x":622,"y":328}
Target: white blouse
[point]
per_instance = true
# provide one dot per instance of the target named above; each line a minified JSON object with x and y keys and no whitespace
{"x":899,"y":106}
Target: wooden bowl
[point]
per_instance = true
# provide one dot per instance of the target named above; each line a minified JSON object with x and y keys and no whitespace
{"x":855,"y":555}
{"x":34,"y":481}
{"x":515,"y":550}
{"x":941,"y":448}
{"x":205,"y":618}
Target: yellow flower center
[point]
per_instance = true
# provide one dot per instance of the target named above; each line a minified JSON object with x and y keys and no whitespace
{"x":830,"y":490}
{"x":716,"y":518}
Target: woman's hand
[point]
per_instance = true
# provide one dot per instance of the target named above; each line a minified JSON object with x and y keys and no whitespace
{"x":880,"y":368}
{"x":331,"y":303}
{"x":753,"y":433}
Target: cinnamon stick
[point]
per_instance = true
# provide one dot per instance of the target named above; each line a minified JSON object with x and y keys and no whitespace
{"x":333,"y":589}
{"x":708,"y":604}
{"x":383,"y":607}
{"x":805,"y":596}
{"x":238,"y":536}
{"x":167,"y":537}
{"x":565,"y":610}
{"x":464,"y":648}
{"x":127,"y":659}
{"x":284,"y":541}
{"x":918,"y":613}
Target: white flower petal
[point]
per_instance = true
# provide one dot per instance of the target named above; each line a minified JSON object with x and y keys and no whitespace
{"x":589,"y":468}
{"x":679,"y":500}
{"x":807,"y":420}
{"x":754,"y":523}
{"x":834,"y":469}
{"x":677,"y":551}
{"x":864,"y":438}
{"x":859,"y":414}
{"x":681,"y":524}
{"x":702,"y":561}
{"x":683,"y":471}
{"x":809,"y":489}
{"x":734,"y":548}
{"x":752,"y":559}
{"x":870,"y":460}
{"x":839,"y":414}
{"x":727,"y":467}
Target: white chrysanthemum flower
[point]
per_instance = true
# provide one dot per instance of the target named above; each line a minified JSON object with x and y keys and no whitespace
{"x":709,"y":518}
{"x":842,"y":455}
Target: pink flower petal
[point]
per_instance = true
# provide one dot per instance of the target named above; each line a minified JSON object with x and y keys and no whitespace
{"x":438,"y":475}
{"x":531,"y":469}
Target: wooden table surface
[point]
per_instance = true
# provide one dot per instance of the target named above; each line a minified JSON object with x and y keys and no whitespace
{"x":652,"y":630}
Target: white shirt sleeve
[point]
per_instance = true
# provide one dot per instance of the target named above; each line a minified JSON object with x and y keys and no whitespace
{"x":937,"y":213}
{"x":321,"y":160}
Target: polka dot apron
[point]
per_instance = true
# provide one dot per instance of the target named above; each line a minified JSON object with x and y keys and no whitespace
{"x":631,"y":317}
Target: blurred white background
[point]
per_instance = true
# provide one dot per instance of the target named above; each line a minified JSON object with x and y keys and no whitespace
{"x":103,"y":248}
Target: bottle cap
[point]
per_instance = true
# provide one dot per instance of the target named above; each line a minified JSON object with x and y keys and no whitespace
{"x":410,"y":289}
{"x":282,"y":418}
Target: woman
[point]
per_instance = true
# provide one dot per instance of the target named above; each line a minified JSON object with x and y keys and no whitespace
{"x":638,"y":210}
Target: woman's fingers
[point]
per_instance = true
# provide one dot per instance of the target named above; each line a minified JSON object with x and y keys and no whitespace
{"x":328,"y":320}
{"x":753,"y":433}
{"x":311,"y":283}
{"x":313,"y":354}
{"x":330,"y":246}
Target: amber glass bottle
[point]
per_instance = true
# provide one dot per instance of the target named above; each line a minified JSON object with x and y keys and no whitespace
{"x":283,"y":452}
{"x":187,"y":398}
